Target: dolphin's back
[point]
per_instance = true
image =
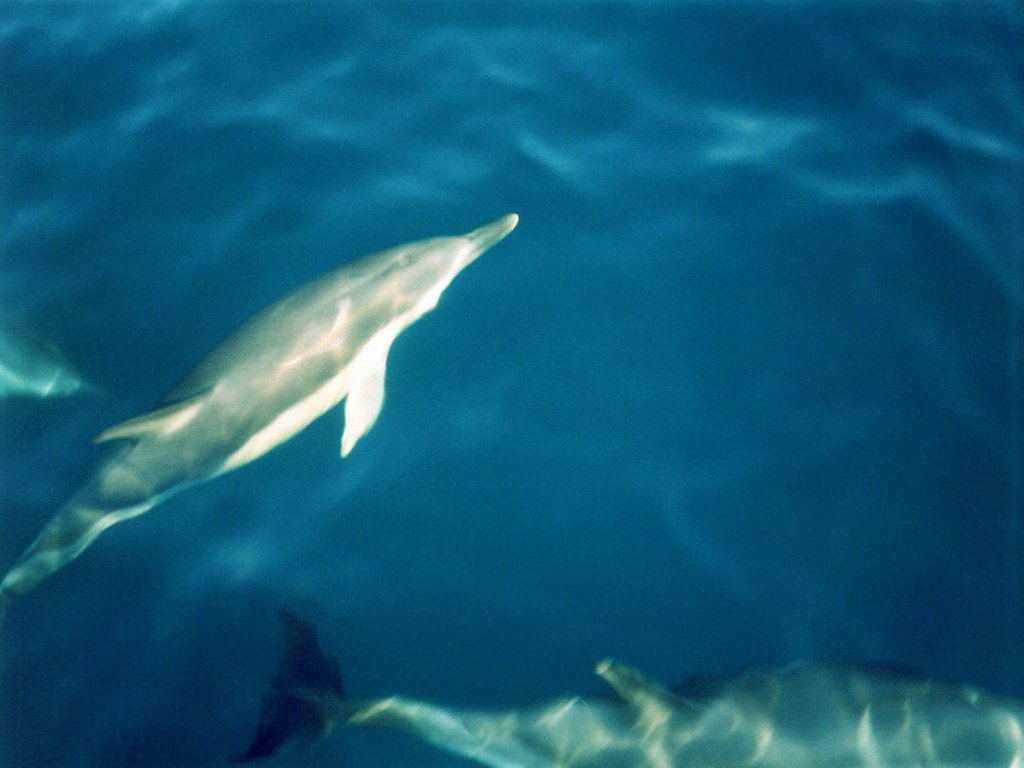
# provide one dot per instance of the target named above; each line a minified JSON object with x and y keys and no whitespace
{"x":307,"y":311}
{"x":801,"y":716}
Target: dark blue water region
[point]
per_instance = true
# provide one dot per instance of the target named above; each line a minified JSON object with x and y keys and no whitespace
{"x":745,"y":386}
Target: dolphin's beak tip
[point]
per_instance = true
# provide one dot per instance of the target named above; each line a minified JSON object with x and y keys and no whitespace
{"x":490,"y":234}
{"x":498,"y":229}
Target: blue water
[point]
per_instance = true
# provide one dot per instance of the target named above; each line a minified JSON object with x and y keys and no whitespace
{"x":746,"y":386}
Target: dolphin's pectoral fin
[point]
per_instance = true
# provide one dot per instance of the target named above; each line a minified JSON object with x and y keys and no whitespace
{"x":366,"y":393}
{"x":169,"y":419}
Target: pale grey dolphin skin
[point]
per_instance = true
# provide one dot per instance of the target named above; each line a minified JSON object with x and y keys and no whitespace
{"x":33,"y":367}
{"x":802,"y":716}
{"x":325,"y":342}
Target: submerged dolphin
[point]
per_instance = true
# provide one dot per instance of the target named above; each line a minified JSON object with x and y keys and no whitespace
{"x":800,"y":716}
{"x":32,"y":367}
{"x":306,"y":697}
{"x":325,"y":342}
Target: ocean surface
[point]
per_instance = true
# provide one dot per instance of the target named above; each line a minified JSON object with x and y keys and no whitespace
{"x":745,"y":386}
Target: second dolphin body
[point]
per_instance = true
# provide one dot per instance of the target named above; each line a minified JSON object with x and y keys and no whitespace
{"x":32,"y":367}
{"x":805,"y":715}
{"x":325,"y":342}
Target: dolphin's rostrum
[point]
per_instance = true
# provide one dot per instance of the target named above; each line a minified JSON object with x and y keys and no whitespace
{"x":325,"y":342}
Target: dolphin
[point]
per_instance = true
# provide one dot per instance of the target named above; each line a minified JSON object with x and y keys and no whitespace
{"x":306,"y":698}
{"x":325,"y":342}
{"x":30,"y":366}
{"x":806,"y":715}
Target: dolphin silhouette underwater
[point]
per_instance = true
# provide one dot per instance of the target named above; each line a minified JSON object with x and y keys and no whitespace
{"x":306,"y":698}
{"x":30,"y":366}
{"x":806,"y":715}
{"x":324,"y":342}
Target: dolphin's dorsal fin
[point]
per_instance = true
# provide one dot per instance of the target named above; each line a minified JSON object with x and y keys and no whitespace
{"x":169,"y":418}
{"x":640,"y":692}
{"x":366,"y":392}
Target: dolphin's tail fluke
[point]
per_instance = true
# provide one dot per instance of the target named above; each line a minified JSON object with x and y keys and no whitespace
{"x":306,"y":697}
{"x":282,"y":718}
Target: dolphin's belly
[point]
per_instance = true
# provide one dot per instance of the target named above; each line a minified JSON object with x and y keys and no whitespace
{"x":283,"y":423}
{"x":238,"y":421}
